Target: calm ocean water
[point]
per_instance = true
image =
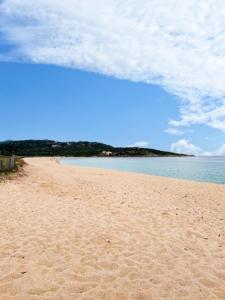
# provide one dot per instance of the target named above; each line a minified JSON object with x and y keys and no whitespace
{"x":210,"y":169}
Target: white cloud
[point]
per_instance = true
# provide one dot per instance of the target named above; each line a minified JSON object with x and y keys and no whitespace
{"x":140,"y":144}
{"x":185,"y":147}
{"x":174,"y":131}
{"x":179,"y":45}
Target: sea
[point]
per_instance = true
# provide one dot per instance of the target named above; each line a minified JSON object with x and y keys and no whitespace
{"x":206,"y":169}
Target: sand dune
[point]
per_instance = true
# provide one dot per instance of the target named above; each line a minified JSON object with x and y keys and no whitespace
{"x":74,"y":233}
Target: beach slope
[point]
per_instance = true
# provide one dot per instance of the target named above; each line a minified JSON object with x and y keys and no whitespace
{"x":69,"y":233}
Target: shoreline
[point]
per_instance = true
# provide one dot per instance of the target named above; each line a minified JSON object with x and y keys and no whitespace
{"x":133,"y":172}
{"x":71,"y":232}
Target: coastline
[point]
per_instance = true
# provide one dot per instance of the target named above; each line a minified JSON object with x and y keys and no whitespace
{"x":157,"y":171}
{"x":71,"y":232}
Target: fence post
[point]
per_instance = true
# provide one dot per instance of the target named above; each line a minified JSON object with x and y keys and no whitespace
{"x":7,"y":164}
{"x":11,"y":162}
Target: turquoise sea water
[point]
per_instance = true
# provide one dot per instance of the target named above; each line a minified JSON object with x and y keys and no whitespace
{"x":210,"y":169}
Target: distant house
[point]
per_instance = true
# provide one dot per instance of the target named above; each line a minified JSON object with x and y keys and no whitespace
{"x":107,"y":153}
{"x":56,"y":146}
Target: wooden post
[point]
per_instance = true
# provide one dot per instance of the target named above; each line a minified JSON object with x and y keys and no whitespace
{"x":8,"y":164}
{"x":11,"y":163}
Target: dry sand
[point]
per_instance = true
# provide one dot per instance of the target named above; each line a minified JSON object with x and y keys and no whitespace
{"x":76,"y":233}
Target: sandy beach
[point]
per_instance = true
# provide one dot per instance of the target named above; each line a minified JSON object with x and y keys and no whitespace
{"x":72,"y":233}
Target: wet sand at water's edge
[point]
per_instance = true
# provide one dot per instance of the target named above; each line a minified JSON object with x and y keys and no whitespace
{"x":69,"y":233}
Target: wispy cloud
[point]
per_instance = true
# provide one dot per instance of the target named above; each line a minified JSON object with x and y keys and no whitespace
{"x":186,"y":147}
{"x":178,"y":45}
{"x":174,"y":131}
{"x":142,"y":144}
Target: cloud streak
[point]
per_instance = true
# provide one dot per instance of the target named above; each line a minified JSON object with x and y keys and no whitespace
{"x":174,"y":131}
{"x":180,"y":46}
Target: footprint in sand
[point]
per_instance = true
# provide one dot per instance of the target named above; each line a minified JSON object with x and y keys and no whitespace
{"x":82,"y":288}
{"x":7,"y":289}
{"x":40,"y":291}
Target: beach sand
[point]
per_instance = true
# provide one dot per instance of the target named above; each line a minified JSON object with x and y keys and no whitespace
{"x":70,"y":233}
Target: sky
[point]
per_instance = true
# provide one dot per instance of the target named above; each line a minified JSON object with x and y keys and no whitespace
{"x":126,"y":73}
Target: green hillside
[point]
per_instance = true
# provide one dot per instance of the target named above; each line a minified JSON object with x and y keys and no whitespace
{"x":53,"y":148}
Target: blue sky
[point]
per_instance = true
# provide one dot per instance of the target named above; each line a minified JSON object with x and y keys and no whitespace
{"x":122,"y":73}
{"x":42,"y":101}
{"x":49,"y":102}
